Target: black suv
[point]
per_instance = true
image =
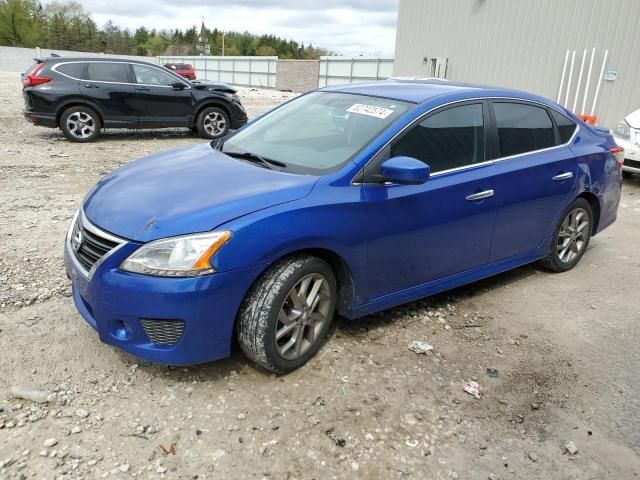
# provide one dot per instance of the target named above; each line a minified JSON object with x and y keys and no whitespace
{"x":84,"y":95}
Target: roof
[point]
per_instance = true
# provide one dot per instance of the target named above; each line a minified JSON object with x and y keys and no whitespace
{"x":421,"y":90}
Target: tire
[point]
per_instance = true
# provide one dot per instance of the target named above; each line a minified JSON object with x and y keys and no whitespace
{"x":87,"y":124}
{"x":272,"y":299}
{"x":212,"y":123}
{"x":627,"y":174}
{"x":567,"y":247}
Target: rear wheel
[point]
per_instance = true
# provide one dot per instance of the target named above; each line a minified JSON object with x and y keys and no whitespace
{"x":571,"y":237}
{"x":80,"y":124}
{"x":212,"y":123}
{"x":627,"y":174}
{"x":287,"y":313}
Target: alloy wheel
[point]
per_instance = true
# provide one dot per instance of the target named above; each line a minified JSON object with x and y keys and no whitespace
{"x":81,"y":124}
{"x":572,"y":238}
{"x":302,"y":316}
{"x":214,"y":124}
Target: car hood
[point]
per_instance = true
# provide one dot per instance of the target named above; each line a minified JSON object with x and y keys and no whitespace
{"x":633,"y":119}
{"x":186,"y":190}
{"x":213,"y":86}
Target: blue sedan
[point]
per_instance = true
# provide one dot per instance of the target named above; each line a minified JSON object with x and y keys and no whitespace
{"x":344,"y":201}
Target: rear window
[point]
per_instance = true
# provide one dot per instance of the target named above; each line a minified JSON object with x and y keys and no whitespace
{"x":178,"y":66}
{"x":566,"y":126}
{"x":522,"y":128}
{"x":108,"y":72}
{"x":74,"y":70}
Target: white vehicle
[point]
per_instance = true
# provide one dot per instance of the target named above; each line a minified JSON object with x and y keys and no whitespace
{"x":627,"y":135}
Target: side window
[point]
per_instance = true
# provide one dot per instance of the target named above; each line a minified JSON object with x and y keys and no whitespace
{"x":74,"y":70}
{"x":522,"y":128}
{"x":566,"y":126}
{"x":108,"y":72}
{"x":152,"y":76}
{"x":447,"y":139}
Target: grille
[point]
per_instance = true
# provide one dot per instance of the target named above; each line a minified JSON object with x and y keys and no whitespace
{"x":163,"y":332}
{"x":88,"y":245}
{"x":631,"y":163}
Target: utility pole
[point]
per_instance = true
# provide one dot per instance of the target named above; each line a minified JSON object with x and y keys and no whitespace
{"x":223,"y":44}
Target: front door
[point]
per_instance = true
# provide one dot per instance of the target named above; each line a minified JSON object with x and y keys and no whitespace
{"x":534,"y":176}
{"x":158,"y":103}
{"x":421,"y":233}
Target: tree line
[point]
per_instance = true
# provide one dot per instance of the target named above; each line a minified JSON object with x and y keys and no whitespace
{"x":65,"y":25}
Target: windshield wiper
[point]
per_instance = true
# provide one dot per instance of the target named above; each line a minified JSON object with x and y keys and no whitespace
{"x":255,"y":158}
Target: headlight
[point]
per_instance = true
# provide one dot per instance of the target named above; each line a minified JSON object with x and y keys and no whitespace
{"x":187,"y":256}
{"x":623,"y":130}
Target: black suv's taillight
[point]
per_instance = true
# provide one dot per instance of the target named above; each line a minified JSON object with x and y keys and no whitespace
{"x":32,"y":78}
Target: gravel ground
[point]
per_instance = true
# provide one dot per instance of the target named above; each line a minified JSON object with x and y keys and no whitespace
{"x":563,"y":347}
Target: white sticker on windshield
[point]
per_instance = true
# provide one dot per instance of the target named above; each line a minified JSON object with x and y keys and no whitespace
{"x":370,"y":110}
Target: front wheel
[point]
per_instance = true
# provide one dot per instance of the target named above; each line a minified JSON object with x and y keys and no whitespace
{"x":287,"y":313}
{"x":213,"y":123}
{"x":571,"y":237}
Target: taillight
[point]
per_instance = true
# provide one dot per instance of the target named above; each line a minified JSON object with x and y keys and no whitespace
{"x":32,"y":78}
{"x":618,"y":153}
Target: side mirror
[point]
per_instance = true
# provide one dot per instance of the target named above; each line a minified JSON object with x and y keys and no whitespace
{"x":178,"y":85}
{"x":405,"y":171}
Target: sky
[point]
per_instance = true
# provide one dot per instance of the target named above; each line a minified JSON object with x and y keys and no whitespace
{"x":349,"y":27}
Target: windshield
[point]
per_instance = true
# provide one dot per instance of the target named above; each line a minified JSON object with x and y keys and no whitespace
{"x":319,"y":132}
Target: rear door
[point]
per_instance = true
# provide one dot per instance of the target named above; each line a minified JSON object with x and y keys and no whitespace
{"x":158,"y":103}
{"x":108,"y":86}
{"x":421,"y":233}
{"x":535,"y":173}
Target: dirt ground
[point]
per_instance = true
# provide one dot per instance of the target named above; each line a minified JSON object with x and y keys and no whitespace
{"x":565,"y":347}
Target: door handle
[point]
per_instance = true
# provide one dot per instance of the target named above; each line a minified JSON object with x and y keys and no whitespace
{"x":88,"y":85}
{"x":563,"y":176}
{"x":480,"y":195}
{"x":143,"y":89}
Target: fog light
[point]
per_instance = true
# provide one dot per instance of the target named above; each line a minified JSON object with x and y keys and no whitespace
{"x":120,"y":331}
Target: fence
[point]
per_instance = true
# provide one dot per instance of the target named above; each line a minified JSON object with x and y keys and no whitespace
{"x":243,"y":71}
{"x":343,"y":70}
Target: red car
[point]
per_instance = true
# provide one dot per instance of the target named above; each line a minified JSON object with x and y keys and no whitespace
{"x":184,"y":69}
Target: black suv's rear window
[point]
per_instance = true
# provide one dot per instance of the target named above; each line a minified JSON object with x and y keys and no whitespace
{"x":74,"y":70}
{"x":108,"y":72}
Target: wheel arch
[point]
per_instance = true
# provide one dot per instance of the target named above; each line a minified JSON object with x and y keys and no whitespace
{"x":340,"y":267}
{"x":78,"y":103}
{"x":592,"y":198}
{"x":207,"y":104}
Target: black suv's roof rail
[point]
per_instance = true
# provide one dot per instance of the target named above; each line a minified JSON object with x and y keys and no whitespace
{"x":93,"y":59}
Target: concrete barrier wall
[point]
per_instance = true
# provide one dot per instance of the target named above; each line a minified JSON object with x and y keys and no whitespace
{"x":298,"y":75}
{"x":15,"y":59}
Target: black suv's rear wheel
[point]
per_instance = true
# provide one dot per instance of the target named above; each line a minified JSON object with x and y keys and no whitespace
{"x":213,"y":122}
{"x":80,"y":124}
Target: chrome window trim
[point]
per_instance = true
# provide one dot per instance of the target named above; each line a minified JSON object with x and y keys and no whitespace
{"x":473,"y":165}
{"x":55,"y":69}
{"x":86,"y":224}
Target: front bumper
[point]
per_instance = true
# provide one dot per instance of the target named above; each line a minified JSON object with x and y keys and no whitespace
{"x":631,"y":152}
{"x":114,"y":303}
